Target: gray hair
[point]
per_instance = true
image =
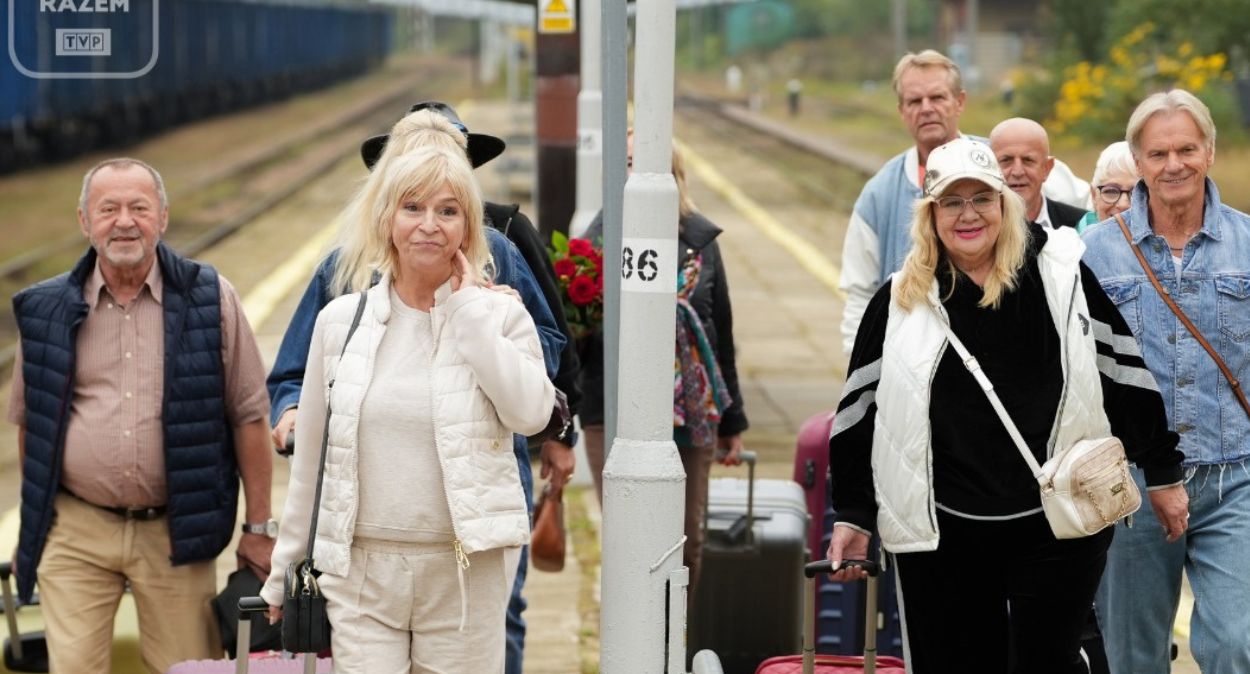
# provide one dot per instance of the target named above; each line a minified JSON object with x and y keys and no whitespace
{"x":1115,"y":158}
{"x":122,"y":163}
{"x":928,"y":58}
{"x":1176,"y":100}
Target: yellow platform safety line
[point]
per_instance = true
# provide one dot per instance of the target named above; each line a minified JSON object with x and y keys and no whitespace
{"x":260,"y":303}
{"x":808,"y":256}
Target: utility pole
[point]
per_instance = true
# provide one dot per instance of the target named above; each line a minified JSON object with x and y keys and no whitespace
{"x":589,"y":124}
{"x":643,"y":481}
{"x":898,"y":21}
{"x":555,"y":117}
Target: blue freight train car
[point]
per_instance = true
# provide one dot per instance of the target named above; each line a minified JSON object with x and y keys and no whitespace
{"x":197,"y":57}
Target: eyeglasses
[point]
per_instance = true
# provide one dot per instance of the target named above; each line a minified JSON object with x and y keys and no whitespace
{"x":1111,"y":194}
{"x":981,"y":203}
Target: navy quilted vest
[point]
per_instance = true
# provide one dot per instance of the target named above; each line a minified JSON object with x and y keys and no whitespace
{"x":200,"y":466}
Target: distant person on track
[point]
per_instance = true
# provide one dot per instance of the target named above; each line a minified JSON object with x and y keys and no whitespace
{"x":525,"y":270}
{"x":139,"y":398}
{"x":709,"y":415}
{"x":930,"y":102}
{"x":919,"y":456}
{"x":1022,"y":149}
{"x":1111,"y":191}
{"x":1196,"y":246}
{"x":421,"y":515}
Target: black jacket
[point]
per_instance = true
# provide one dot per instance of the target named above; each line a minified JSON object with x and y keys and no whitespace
{"x":521,"y":232}
{"x":1063,"y":215}
{"x":710,"y":300}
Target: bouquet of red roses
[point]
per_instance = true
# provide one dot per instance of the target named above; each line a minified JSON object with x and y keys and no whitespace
{"x":579,"y":273}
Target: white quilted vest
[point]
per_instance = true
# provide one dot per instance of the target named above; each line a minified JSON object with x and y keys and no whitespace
{"x":902,"y":456}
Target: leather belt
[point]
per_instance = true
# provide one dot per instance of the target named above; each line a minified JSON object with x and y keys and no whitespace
{"x":136,"y":514}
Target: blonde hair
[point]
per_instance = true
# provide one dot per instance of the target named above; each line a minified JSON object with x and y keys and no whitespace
{"x":685,"y":204}
{"x":365,"y":245}
{"x":920,"y":268}
{"x":928,"y":58}
{"x":359,"y":250}
{"x":1176,"y":100}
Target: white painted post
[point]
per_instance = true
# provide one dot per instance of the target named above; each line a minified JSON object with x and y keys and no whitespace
{"x":589,"y":124}
{"x":643,"y":481}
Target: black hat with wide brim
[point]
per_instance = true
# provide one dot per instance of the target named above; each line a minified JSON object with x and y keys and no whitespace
{"x":482,"y":147}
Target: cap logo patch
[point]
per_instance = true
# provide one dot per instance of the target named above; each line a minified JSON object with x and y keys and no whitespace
{"x":979,"y":157}
{"x":931,"y":176}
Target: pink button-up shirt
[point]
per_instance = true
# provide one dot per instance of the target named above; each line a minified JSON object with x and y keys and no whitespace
{"x":114,"y":444}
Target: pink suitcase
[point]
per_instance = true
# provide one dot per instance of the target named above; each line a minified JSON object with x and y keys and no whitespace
{"x":809,"y":662}
{"x":257,"y":663}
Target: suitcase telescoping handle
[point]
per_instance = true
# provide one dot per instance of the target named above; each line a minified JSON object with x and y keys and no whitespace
{"x":870,"y":611}
{"x":248,"y":606}
{"x":744,"y":527}
{"x":10,"y":611}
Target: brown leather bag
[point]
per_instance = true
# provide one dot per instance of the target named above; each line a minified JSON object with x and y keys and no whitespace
{"x":547,"y":539}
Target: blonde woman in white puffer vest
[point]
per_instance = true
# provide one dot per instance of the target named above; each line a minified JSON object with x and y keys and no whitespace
{"x":422,"y":516}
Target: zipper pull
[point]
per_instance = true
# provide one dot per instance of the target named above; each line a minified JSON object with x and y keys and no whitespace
{"x":461,"y":558}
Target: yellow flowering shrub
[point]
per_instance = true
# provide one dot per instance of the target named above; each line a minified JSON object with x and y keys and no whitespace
{"x":1094,"y":100}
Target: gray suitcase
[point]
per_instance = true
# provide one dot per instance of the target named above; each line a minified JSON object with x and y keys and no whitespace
{"x":747,"y":605}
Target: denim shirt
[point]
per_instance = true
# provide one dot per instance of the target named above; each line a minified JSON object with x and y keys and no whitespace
{"x":287,"y":376}
{"x":1213,"y":289}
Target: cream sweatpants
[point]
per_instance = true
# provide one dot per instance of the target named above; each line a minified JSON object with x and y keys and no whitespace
{"x":400,"y":609}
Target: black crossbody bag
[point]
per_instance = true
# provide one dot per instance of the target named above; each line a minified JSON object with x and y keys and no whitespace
{"x":305,"y":623}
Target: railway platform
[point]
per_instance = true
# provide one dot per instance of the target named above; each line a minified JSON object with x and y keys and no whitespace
{"x":780,"y":245}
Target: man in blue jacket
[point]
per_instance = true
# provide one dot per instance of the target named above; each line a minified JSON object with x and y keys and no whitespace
{"x":1196,"y":246}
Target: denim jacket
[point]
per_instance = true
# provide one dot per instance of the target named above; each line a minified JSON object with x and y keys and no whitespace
{"x":287,"y":376}
{"x":1213,"y":289}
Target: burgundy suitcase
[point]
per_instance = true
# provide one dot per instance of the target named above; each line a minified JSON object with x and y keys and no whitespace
{"x":258,"y":663}
{"x":809,"y":662}
{"x":811,"y":471}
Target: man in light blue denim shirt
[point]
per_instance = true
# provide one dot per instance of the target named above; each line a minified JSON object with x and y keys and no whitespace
{"x":1199,"y":249}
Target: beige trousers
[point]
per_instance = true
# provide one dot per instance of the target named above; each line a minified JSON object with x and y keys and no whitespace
{"x":698,"y":464}
{"x":400,"y":608}
{"x":89,"y":556}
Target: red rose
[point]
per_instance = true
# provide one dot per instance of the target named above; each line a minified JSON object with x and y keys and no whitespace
{"x":580,"y":247}
{"x":565,"y":267}
{"x":582,"y":290}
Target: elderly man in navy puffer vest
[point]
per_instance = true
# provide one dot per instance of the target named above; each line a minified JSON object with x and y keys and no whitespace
{"x":140,"y":398}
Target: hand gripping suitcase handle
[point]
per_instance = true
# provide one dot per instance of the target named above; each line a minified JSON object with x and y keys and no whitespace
{"x":248,"y":606}
{"x":870,"y":611}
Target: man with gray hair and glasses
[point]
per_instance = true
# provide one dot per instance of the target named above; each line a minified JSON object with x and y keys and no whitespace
{"x":1177,"y":231}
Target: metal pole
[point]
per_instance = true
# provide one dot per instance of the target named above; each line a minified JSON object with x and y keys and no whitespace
{"x":615,"y":31}
{"x":974,"y":27}
{"x":898,"y":21}
{"x":589,"y":124}
{"x":643,"y":481}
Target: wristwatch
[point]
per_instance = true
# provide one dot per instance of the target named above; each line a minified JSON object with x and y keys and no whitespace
{"x":267,"y":528}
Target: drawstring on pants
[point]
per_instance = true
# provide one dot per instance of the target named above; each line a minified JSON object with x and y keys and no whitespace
{"x":462,"y":564}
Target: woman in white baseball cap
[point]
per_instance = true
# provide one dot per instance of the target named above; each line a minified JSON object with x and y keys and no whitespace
{"x":919,"y":456}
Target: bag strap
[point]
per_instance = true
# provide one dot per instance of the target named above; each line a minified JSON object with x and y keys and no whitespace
{"x":987,"y":386}
{"x":325,"y":435}
{"x":1180,"y":315}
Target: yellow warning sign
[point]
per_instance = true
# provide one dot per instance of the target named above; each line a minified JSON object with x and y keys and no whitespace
{"x":557,"y":16}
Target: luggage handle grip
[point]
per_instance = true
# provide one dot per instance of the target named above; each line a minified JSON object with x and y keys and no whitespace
{"x":825,"y":566}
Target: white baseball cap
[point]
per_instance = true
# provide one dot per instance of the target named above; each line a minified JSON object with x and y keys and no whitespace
{"x":959,"y":159}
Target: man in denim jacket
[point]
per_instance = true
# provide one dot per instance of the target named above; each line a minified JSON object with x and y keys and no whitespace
{"x":1199,"y":249}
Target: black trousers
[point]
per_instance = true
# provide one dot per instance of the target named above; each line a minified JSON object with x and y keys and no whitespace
{"x":999,"y":597}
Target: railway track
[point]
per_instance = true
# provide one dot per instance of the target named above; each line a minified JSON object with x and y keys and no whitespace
{"x":226,"y":196}
{"x":825,"y":177}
